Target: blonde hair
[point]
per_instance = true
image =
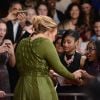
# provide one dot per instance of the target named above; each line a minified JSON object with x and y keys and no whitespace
{"x":42,"y":24}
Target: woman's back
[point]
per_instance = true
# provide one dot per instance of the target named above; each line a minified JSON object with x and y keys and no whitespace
{"x":31,"y":59}
{"x":33,"y":71}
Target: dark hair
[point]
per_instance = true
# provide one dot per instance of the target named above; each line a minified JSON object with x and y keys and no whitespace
{"x":97,"y":46}
{"x":84,"y":37}
{"x":93,"y":15}
{"x":57,"y":38}
{"x":97,"y":19}
{"x":94,"y":22}
{"x":45,"y":4}
{"x":28,"y":23}
{"x":2,"y":21}
{"x":72,"y":33}
{"x":81,"y":15}
{"x":14,"y":2}
{"x":85,"y":1}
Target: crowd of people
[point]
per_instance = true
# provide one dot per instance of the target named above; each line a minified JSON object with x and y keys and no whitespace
{"x":43,"y":46}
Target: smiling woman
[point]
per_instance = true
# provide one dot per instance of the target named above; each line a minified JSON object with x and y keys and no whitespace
{"x":92,"y":64}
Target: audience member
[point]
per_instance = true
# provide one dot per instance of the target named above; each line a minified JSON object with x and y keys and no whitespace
{"x":72,"y":60}
{"x":92,"y":63}
{"x":57,"y":15}
{"x":74,"y":19}
{"x":96,"y":30}
{"x":6,"y":56}
{"x":43,"y":9}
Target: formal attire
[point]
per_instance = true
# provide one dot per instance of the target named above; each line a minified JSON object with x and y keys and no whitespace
{"x":14,"y":31}
{"x":34,"y":59}
{"x":58,"y":17}
{"x":72,"y":66}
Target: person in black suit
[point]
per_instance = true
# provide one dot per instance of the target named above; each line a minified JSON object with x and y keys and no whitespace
{"x":13,"y":23}
{"x":10,"y":32}
{"x":57,"y":15}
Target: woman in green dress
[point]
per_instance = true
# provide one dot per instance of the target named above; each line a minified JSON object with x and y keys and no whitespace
{"x":35,"y":55}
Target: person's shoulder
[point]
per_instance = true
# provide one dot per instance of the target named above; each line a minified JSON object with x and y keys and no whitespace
{"x":45,"y":41}
{"x":40,"y":41}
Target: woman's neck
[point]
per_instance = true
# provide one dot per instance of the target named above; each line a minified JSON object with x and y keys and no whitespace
{"x":38,"y":35}
{"x":70,"y":53}
{"x":74,"y":21}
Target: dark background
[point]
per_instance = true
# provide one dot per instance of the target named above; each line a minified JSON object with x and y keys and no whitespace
{"x":4,"y":6}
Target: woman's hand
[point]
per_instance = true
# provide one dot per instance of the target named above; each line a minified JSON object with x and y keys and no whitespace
{"x":21,"y":18}
{"x":10,"y":47}
{"x":2,"y":94}
{"x":87,"y":76}
{"x":10,"y":50}
{"x":79,"y":77}
{"x":53,"y":76}
{"x":78,"y":74}
{"x":3,"y":48}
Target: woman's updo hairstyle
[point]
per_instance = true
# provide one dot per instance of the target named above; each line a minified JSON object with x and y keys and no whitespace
{"x":42,"y":24}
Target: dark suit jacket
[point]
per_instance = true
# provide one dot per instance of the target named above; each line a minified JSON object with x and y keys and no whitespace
{"x":60,"y":15}
{"x":10,"y":34}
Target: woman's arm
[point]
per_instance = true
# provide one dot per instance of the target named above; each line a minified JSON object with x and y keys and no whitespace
{"x":12,"y":60}
{"x":50,"y":54}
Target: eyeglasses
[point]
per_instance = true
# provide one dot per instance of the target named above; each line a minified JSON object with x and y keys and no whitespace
{"x":90,"y":49}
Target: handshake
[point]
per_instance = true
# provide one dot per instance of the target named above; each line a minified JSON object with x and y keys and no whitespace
{"x":82,"y":77}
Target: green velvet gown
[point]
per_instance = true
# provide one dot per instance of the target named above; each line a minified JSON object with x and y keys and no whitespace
{"x":34,"y":59}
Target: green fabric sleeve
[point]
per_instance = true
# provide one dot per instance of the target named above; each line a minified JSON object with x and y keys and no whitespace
{"x":50,"y":54}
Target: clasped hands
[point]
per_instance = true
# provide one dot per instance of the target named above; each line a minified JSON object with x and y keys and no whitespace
{"x":81,"y":77}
